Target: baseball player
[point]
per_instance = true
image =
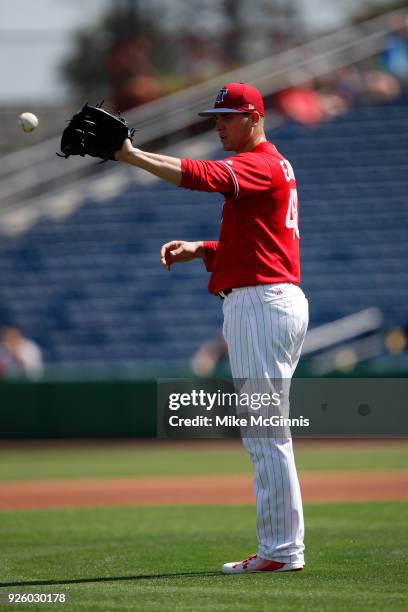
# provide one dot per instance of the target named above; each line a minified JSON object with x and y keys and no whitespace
{"x":255,"y":270}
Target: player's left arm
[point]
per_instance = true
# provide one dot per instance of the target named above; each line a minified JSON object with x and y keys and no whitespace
{"x":165,"y":167}
{"x":190,"y":174}
{"x":241,"y":174}
{"x":215,"y":176}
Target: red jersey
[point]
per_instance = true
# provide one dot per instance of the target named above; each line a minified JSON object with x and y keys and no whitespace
{"x":259,"y":236}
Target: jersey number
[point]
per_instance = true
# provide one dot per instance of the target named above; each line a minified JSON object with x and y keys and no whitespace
{"x":292,"y":213}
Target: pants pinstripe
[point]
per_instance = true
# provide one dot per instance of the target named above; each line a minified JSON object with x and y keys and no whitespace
{"x":264,"y":327}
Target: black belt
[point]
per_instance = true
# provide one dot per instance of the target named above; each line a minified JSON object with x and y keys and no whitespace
{"x":223,"y":294}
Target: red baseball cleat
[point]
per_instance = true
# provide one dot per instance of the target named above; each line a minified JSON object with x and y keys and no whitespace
{"x":253,"y":564}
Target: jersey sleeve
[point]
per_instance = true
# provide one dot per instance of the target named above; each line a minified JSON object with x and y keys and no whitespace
{"x":210,"y":251}
{"x":238,"y":175}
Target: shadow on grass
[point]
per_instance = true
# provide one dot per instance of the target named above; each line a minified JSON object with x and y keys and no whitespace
{"x":106,"y":579}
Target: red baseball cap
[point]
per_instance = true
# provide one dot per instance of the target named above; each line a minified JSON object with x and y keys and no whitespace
{"x":236,"y":98}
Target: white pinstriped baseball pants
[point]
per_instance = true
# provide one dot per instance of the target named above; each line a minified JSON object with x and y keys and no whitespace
{"x":264,"y":327}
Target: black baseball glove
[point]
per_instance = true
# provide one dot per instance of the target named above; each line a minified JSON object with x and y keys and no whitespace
{"x":96,"y":132}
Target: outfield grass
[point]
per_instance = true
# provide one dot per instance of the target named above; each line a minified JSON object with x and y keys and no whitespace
{"x":141,"y":459}
{"x":168,"y":558}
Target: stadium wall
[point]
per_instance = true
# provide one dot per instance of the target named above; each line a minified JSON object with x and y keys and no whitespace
{"x":94,"y":409}
{"x":112,"y":408}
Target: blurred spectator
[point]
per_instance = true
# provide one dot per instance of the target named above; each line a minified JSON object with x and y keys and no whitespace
{"x":380,"y":86}
{"x":302,"y":104}
{"x":19,"y":356}
{"x":334,"y":94}
{"x":394,"y":56}
{"x":131,"y":76}
{"x":205,"y":360}
{"x":355,"y":84}
{"x":348,"y":83}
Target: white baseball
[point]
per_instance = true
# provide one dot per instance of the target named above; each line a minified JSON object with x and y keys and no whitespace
{"x":28,"y":121}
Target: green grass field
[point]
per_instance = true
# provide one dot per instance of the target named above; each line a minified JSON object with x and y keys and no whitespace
{"x":141,"y":459}
{"x":169,"y":558}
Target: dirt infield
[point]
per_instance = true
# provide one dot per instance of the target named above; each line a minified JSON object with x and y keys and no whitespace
{"x":231,"y":489}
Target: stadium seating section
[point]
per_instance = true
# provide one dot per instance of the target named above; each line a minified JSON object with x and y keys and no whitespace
{"x":90,"y":288}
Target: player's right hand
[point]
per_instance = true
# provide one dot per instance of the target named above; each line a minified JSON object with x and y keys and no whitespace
{"x":179,"y":251}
